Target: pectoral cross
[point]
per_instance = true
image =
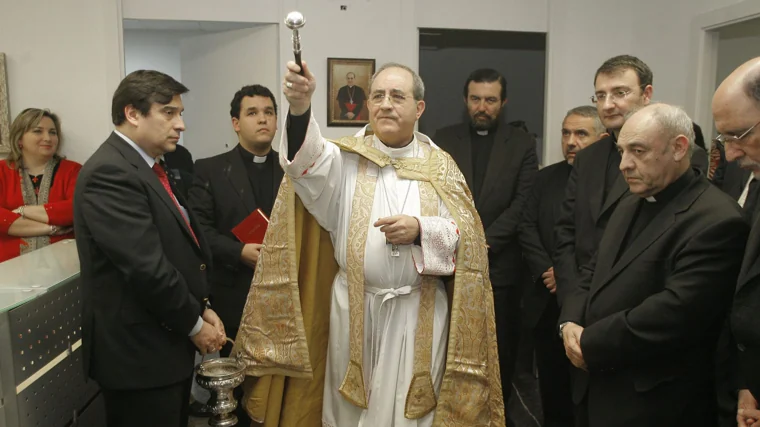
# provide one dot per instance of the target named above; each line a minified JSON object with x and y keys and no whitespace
{"x":394,"y":250}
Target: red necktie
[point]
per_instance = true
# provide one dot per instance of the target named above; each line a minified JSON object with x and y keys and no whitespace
{"x":161,"y":173}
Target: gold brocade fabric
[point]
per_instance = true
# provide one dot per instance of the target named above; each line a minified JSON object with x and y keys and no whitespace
{"x":284,"y":330}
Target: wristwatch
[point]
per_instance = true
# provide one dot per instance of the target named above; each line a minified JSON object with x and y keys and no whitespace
{"x":561,"y":327}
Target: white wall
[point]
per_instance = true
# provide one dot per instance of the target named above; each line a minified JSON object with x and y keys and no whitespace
{"x":260,"y":11}
{"x":382,"y":30}
{"x":584,"y":33}
{"x":75,"y":46}
{"x":214,"y":67}
{"x":154,"y":50}
{"x":64,"y":56}
{"x":738,"y":44}
{"x":512,"y":15}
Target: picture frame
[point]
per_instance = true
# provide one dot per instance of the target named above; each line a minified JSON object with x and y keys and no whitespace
{"x":348,"y":91}
{"x":5,"y":113}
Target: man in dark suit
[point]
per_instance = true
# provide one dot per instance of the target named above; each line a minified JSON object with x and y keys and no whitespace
{"x":623,"y":84}
{"x":736,"y":110}
{"x":734,"y":179}
{"x":227,"y":189}
{"x":580,"y":128}
{"x":143,"y":262}
{"x":644,"y":321}
{"x":499,"y":163}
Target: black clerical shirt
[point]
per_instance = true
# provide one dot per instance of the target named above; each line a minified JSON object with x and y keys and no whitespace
{"x":481,"y":152}
{"x":649,"y":207}
{"x":260,"y":177}
{"x":613,"y":167}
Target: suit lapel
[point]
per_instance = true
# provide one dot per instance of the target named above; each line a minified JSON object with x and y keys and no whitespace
{"x":235,"y":172}
{"x":656,"y":228}
{"x":619,"y":188}
{"x":149,"y":176}
{"x":600,"y":165}
{"x":497,"y":159}
{"x":463,"y":155}
{"x":610,"y":246}
{"x":750,"y":266}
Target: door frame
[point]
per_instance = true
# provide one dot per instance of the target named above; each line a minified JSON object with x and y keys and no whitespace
{"x":705,"y":37}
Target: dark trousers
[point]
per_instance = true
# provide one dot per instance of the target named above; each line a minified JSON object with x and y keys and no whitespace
{"x":553,"y":370}
{"x":156,"y":407}
{"x":507,"y":312}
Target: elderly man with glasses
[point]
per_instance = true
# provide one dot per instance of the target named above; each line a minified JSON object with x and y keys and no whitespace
{"x":351,"y":302}
{"x":736,"y":111}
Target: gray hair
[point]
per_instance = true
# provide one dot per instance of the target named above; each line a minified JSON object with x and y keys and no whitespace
{"x":588,"y":111}
{"x":418,"y":85}
{"x":673,"y":121}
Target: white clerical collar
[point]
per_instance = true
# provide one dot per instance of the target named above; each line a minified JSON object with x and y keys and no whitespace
{"x":408,"y":150}
{"x":651,"y":199}
{"x":259,"y":159}
{"x":482,"y":132}
{"x":149,"y":160}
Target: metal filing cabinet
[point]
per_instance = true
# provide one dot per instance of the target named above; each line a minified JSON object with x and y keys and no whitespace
{"x":42,"y":383}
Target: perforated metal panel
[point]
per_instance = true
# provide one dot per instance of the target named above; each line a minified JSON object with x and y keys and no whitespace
{"x":44,"y":328}
{"x":52,"y":399}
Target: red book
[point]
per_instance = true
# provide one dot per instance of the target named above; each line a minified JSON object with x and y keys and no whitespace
{"x":252,"y":228}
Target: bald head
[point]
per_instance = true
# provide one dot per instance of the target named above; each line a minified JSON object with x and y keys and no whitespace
{"x":655,"y":146}
{"x":743,"y":82}
{"x":736,"y":109}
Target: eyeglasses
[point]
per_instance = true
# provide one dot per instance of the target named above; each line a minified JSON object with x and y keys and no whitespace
{"x":614,"y":96}
{"x":396,"y":98}
{"x":725,"y":139}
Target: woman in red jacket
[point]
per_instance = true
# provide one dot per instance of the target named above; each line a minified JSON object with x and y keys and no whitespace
{"x":36,"y":186}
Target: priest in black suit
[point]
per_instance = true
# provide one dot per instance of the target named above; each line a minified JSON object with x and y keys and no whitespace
{"x":623,"y":84}
{"x":644,"y":321}
{"x":229,"y":187}
{"x":499,"y":163}
{"x":581,"y":127}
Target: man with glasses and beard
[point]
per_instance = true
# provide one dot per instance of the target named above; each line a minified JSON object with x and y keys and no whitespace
{"x":499,"y":163}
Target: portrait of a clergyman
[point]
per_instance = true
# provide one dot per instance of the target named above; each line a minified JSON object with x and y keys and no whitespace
{"x":348,"y":81}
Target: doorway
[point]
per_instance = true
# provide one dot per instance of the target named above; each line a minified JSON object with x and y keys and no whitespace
{"x":448,"y":56}
{"x":214,"y":60}
{"x":721,"y":40}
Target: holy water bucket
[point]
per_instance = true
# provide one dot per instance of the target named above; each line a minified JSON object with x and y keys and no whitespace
{"x":220,"y":377}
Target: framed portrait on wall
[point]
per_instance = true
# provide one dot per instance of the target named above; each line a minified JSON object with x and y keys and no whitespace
{"x":5,"y":113}
{"x":348,"y":91}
